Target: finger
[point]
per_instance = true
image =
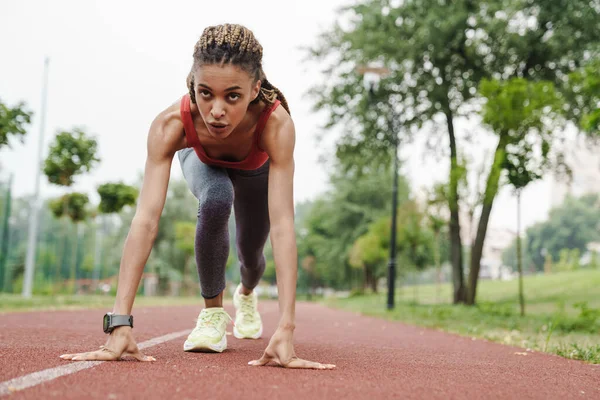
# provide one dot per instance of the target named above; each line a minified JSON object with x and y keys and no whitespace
{"x":99,"y":355}
{"x":300,"y":363}
{"x":262,"y":361}
{"x":141,"y":357}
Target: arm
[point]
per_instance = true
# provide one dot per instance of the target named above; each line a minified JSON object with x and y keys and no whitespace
{"x":144,"y":226}
{"x":162,"y":143}
{"x":279,"y":144}
{"x":281,"y":216}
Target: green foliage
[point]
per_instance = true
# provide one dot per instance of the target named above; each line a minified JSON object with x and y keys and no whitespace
{"x":71,"y":153}
{"x":339,"y":217}
{"x":572,"y":225}
{"x":584,"y":90}
{"x":594,"y":264}
{"x":185,"y":234}
{"x":527,"y":113}
{"x":13,"y":121}
{"x":72,"y":205}
{"x":588,"y":319}
{"x":115,"y":196}
{"x":516,"y":106}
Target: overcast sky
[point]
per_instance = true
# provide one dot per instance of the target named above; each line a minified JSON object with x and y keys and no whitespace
{"x":115,"y":64}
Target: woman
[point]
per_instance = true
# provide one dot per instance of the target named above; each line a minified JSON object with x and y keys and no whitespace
{"x":235,"y":145}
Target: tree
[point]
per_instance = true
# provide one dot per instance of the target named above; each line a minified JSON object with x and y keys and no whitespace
{"x":434,"y":68}
{"x":113,"y":198}
{"x":438,"y":52}
{"x":572,"y":225}
{"x":524,"y":115}
{"x":185,"y":233}
{"x":340,"y":216}
{"x":71,"y":154}
{"x":370,"y":251}
{"x":73,"y":206}
{"x":13,"y":121}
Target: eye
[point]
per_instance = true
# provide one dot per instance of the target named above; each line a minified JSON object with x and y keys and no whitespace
{"x":205,"y":93}
{"x":234,"y":96}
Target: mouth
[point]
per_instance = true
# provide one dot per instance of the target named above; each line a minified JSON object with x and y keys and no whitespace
{"x":218,"y":128}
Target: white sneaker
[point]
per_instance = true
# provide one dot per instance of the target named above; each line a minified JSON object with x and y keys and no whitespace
{"x":248,"y":324}
{"x":209,"y":335}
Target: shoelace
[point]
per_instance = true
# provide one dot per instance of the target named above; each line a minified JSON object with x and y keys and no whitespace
{"x":248,"y":311}
{"x":212,"y":319}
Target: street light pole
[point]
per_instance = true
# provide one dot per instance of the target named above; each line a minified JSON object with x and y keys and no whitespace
{"x":373,"y":74}
{"x":33,"y":216}
{"x":392,"y":261}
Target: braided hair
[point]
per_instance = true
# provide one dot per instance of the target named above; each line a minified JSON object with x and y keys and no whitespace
{"x":236,"y":45}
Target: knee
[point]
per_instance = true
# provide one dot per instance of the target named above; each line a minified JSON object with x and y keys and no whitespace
{"x":216,"y":202}
{"x":252,"y":260}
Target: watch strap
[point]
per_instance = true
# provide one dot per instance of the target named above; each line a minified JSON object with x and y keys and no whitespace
{"x":121,"y":320}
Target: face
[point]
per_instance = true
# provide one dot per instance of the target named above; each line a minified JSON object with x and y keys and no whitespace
{"x":223,"y":94}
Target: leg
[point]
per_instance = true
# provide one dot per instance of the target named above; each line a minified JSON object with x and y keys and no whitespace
{"x":252,"y":222}
{"x":213,"y":188}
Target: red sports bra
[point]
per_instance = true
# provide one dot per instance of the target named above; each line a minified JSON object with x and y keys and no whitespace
{"x":254,"y":160}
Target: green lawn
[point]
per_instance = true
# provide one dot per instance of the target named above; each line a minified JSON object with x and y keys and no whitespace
{"x":14,"y":302}
{"x":562,"y":312}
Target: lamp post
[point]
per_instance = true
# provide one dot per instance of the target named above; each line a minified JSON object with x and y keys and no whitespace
{"x":372,"y":76}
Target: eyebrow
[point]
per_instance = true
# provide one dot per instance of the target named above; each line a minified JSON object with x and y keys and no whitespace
{"x":227,"y":90}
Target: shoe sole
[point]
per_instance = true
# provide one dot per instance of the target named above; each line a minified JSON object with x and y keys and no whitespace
{"x":238,"y":335}
{"x":206,"y":347}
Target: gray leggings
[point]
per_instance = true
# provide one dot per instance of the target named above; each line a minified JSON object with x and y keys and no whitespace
{"x":217,"y":189}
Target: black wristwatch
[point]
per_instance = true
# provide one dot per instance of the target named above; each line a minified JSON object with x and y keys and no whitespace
{"x":111,"y":321}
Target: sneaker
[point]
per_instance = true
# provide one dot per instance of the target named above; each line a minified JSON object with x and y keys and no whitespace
{"x":248,"y":324}
{"x":209,"y":335}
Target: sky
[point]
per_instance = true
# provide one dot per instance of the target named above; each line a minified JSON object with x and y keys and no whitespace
{"x":114,"y":65}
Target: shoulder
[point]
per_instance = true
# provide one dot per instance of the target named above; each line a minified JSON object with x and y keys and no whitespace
{"x":279,"y":135}
{"x":166,"y":131}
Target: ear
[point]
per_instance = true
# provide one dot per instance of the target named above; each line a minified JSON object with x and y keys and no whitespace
{"x":256,"y":89}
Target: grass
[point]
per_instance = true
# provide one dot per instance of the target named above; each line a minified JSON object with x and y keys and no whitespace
{"x":15,"y":303}
{"x":562,"y":312}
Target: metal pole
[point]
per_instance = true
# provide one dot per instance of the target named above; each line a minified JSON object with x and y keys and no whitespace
{"x":392,"y":262}
{"x":33,"y":216}
{"x":4,"y":270}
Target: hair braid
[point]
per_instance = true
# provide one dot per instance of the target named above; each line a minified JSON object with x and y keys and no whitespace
{"x":233,"y":44}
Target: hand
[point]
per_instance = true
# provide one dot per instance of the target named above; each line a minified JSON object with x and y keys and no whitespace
{"x":281,"y":351}
{"x":120,"y":343}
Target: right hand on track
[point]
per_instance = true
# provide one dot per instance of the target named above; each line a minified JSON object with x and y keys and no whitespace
{"x":120,"y":343}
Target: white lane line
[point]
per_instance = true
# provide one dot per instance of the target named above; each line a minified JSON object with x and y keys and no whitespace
{"x":36,"y":378}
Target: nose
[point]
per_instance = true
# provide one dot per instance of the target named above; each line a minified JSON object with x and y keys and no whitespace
{"x":217,"y":111}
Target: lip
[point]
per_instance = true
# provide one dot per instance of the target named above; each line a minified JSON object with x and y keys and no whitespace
{"x":218,"y":128}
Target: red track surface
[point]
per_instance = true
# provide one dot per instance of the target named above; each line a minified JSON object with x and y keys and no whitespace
{"x":375,"y":359}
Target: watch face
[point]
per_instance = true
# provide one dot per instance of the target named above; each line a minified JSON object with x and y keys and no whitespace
{"x":106,"y":322}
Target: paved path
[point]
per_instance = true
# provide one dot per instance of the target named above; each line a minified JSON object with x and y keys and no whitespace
{"x":375,"y":359}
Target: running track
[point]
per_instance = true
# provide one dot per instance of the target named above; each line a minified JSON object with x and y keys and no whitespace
{"x":375,"y":360}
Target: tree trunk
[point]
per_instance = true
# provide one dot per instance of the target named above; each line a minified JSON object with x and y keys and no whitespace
{"x":373,"y":282}
{"x":5,"y":276}
{"x":415,"y":287}
{"x":187,"y":286}
{"x":455,"y":240}
{"x":491,"y":190}
{"x":519,"y":255}
{"x":74,"y":258}
{"x":436,"y":258}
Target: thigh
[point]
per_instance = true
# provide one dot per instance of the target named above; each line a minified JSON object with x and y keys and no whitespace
{"x":204,"y":180}
{"x":251,"y":205}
